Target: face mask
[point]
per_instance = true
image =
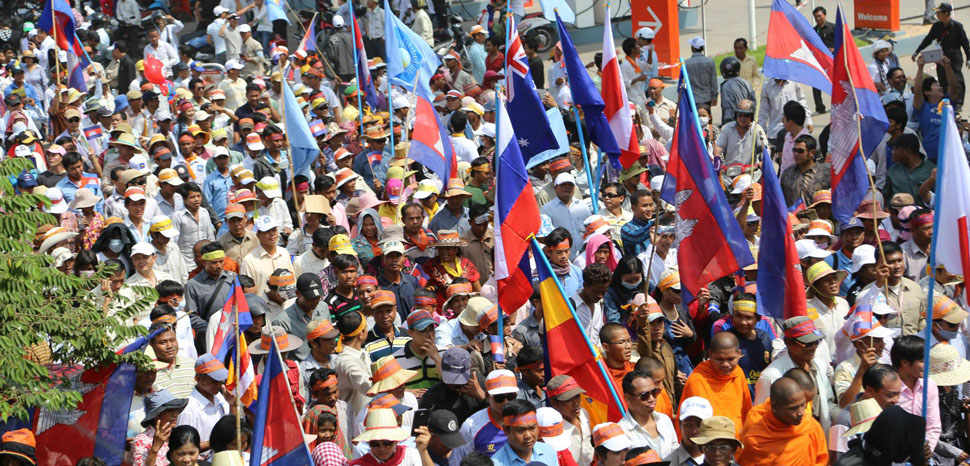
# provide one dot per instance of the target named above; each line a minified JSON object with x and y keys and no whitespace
{"x":631,"y":286}
{"x":947,"y":335}
{"x":116,"y":245}
{"x":705,"y":121}
{"x":181,"y":306}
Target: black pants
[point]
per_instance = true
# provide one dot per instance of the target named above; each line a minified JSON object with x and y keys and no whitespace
{"x":956,"y":63}
{"x":819,"y":104}
{"x":375,"y":48}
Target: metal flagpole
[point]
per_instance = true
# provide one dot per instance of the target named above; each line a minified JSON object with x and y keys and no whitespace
{"x":390,"y":109}
{"x":355,"y":29}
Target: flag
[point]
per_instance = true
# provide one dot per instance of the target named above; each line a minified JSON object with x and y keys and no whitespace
{"x":277,"y":433}
{"x":587,"y":97}
{"x":247,"y":376}
{"x":797,"y":206}
{"x":617,"y":110}
{"x":780,"y":283}
{"x":364,"y":82}
{"x":99,"y":424}
{"x":710,"y":242}
{"x":566,"y":353}
{"x":309,"y":42}
{"x":225,"y":337}
{"x":951,"y":236}
{"x":528,"y":115}
{"x":794,"y":51}
{"x":516,"y":217}
{"x":275,"y":10}
{"x":75,"y":68}
{"x":853,"y":97}
{"x":303,"y":146}
{"x":57,"y":19}
{"x":93,"y":135}
{"x":497,"y":347}
{"x":411,"y":62}
{"x":430,"y":145}
{"x":551,"y":7}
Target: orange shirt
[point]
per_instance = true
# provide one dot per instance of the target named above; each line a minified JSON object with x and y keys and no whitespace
{"x":617,"y":374}
{"x":758,"y":411}
{"x":664,"y":405}
{"x":770,"y":442}
{"x":729,"y":394}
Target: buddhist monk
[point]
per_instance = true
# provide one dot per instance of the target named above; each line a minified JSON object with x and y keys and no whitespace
{"x":721,"y":381}
{"x":658,"y":373}
{"x":804,"y":380}
{"x":784,"y":435}
{"x":617,"y":350}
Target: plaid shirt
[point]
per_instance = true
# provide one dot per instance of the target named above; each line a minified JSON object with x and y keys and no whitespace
{"x":328,"y":454}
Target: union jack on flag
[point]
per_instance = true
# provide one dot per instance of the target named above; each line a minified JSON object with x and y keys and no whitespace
{"x":525,"y":109}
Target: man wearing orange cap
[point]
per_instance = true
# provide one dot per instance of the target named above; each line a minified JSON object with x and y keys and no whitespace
{"x":721,"y":380}
{"x":206,"y":404}
{"x":784,"y":435}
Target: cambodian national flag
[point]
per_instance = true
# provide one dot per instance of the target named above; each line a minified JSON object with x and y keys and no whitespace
{"x":710,"y":244}
{"x":57,"y":19}
{"x":535,"y":134}
{"x":780,"y":283}
{"x":795,"y":51}
{"x":309,"y":42}
{"x":430,"y":145}
{"x":364,"y":82}
{"x":277,"y":433}
{"x":588,"y":98}
{"x":225,"y":337}
{"x":854,"y":97}
{"x":517,"y":217}
{"x":797,"y":206}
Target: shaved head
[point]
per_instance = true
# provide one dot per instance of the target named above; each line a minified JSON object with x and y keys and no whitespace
{"x":803,"y":378}
{"x":788,"y":401}
{"x":724,"y":341}
{"x":649,"y":364}
{"x":725,"y":352}
{"x":784,"y":389}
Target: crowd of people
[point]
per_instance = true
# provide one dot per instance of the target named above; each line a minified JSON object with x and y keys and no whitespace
{"x":375,"y":278}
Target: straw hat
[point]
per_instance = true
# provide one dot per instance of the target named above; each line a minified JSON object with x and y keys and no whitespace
{"x":375,"y":132}
{"x":381,"y":424}
{"x":716,"y":428}
{"x":83,"y":197}
{"x":53,"y":236}
{"x":227,"y":458}
{"x":456,"y":187}
{"x":284,"y":341}
{"x":863,"y":414}
{"x":822,"y":269}
{"x":448,"y":238}
{"x":388,"y":375}
{"x":947,"y":368}
{"x":822,"y":196}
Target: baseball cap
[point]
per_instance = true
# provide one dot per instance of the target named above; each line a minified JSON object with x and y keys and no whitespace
{"x":244,"y":29}
{"x":163,"y":224}
{"x":807,"y":248}
{"x":565,"y":178}
{"x":611,"y":436}
{"x":135,"y":193}
{"x":420,"y":319}
{"x":645,"y":33}
{"x":170,"y":176}
{"x":455,"y":366}
{"x":696,"y":406}
{"x":697,"y":42}
{"x":393,"y":245}
{"x":253,"y":141}
{"x":143,"y":248}
{"x":309,"y":285}
{"x":207,"y":364}
{"x":270,"y":187}
{"x":563,"y":387}
{"x":802,"y":329}
{"x":444,"y":425}
{"x":500,"y":382}
{"x":265,"y":223}
{"x":551,"y":428}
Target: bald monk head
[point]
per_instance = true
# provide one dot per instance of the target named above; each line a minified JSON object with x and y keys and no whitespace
{"x":805,"y":380}
{"x":788,"y":401}
{"x":725,"y":352}
{"x":654,"y":367}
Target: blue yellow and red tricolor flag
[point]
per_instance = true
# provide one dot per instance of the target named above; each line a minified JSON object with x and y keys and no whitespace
{"x":564,"y":353}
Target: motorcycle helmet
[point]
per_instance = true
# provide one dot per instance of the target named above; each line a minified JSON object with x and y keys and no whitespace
{"x":730,"y":67}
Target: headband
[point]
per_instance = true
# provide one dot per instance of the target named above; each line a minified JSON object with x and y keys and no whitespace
{"x":535,"y":365}
{"x":165,"y":319}
{"x":481,"y":219}
{"x":424,"y":301}
{"x":500,"y":382}
{"x":746,"y":306}
{"x":458,"y":288}
{"x":925,"y":219}
{"x":647,"y":457}
{"x":330,"y":381}
{"x":366,"y":280}
{"x":211,"y":366}
{"x":325,"y":327}
{"x":282,"y":280}
{"x":800,"y":330}
{"x":564,"y":245}
{"x":520,"y":420}
{"x":607,"y":432}
{"x":214,"y":255}
{"x":566,"y":386}
{"x":276,"y":137}
{"x":383,"y":402}
{"x":561,"y":164}
{"x":281,"y":340}
{"x":360,"y":328}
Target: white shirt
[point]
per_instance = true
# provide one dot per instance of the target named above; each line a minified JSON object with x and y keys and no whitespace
{"x":202,"y":413}
{"x":353,"y":378}
{"x":592,"y":320}
{"x":171,"y":262}
{"x":666,"y":441}
{"x":127,"y":11}
{"x":773,"y":99}
{"x":164,"y":52}
{"x":829,"y":321}
{"x":213,"y":32}
{"x":465,"y":149}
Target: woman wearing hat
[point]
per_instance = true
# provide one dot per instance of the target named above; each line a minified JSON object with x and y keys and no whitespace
{"x":825,"y":306}
{"x":383,"y":435}
{"x":150,"y":448}
{"x":91,"y":221}
{"x":949,"y":370}
{"x":448,"y":264}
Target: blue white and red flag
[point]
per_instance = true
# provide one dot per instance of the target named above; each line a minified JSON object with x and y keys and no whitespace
{"x":277,"y":433}
{"x":225,"y":337}
{"x":780,"y":284}
{"x":57,"y":19}
{"x":794,"y":51}
{"x":430,"y":145}
{"x":364,"y":82}
{"x":524,"y":106}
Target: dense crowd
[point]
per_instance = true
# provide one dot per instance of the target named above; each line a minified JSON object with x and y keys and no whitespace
{"x":375,"y":278}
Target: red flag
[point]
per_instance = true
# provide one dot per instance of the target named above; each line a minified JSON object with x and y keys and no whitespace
{"x":617,"y":111}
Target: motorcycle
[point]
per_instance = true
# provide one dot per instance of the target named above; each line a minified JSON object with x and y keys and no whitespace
{"x":199,"y":48}
{"x":536,"y":26}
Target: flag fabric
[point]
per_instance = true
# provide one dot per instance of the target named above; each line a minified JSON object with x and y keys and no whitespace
{"x":246,"y":377}
{"x":430,"y":145}
{"x":57,"y":19}
{"x":951,"y":235}
{"x":853,"y":96}
{"x":797,"y":206}
{"x":516,"y":217}
{"x":585,"y":95}
{"x":94,"y":134}
{"x":99,"y":424}
{"x":275,"y":10}
{"x":566,"y":353}
{"x":710,"y":243}
{"x":309,"y":42}
{"x":617,"y":110}
{"x":303,"y":146}
{"x":794,"y":51}
{"x":75,"y":67}
{"x":535,"y":134}
{"x":497,"y":347}
{"x":780,"y":283}
{"x":364,"y":82}
{"x":225,"y":337}
{"x":409,"y":57}
{"x":277,"y":433}
{"x":551,"y":7}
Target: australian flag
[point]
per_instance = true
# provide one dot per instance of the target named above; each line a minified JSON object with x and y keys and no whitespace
{"x":525,"y":109}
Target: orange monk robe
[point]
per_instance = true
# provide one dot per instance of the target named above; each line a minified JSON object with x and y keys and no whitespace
{"x":664,"y":405}
{"x":729,"y":394}
{"x":758,"y":411}
{"x":770,"y":442}
{"x":617,"y":374}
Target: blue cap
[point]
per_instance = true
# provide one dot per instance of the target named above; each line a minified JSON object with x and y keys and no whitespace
{"x":207,"y":364}
{"x":489,"y":105}
{"x":854,"y":222}
{"x":196,"y":66}
{"x":26,"y":180}
{"x":121,"y":103}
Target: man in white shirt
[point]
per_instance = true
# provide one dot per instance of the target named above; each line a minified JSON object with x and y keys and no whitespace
{"x":212,"y":33}
{"x":206,"y":404}
{"x":162,"y":51}
{"x":642,"y":423}
{"x":774,"y":95}
{"x":374,"y":29}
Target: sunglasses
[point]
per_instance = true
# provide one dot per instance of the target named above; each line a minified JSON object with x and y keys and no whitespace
{"x":644,"y":396}
{"x":74,"y":120}
{"x":505,"y":397}
{"x":808,"y":345}
{"x":744,"y":114}
{"x":723,"y":449}
{"x":612,"y":195}
{"x":381,"y":443}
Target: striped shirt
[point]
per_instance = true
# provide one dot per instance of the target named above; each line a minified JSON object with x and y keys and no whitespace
{"x":178,"y":379}
{"x":379,"y":348}
{"x":427,"y":374}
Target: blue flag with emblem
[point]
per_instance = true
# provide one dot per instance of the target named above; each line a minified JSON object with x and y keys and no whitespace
{"x":303,"y":147}
{"x":407,"y":54}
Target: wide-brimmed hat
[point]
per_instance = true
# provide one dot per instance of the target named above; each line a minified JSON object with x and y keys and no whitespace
{"x":947,"y":368}
{"x":375,"y":132}
{"x":53,"y":236}
{"x":822,"y":196}
{"x":716,"y":428}
{"x":284,"y":341}
{"x":228,"y":458}
{"x":821,"y":270}
{"x":456,"y":187}
{"x":388,"y":375}
{"x":158,"y":402}
{"x":865,"y":210}
{"x":381,"y":424}
{"x":948,"y":310}
{"x":473,"y":311}
{"x":126,"y":139}
{"x":862,"y":413}
{"x":448,"y":238}
{"x":83,"y":198}
{"x":343,"y":176}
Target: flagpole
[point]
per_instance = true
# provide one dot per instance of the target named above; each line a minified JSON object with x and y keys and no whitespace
{"x":57,"y":61}
{"x":596,"y":354}
{"x":238,"y":373}
{"x":754,"y":137}
{"x":390,"y":111}
{"x":498,"y":127}
{"x":289,"y":150}
{"x":356,"y":30}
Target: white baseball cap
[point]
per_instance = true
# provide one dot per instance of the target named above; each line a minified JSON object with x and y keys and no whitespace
{"x":219,"y":9}
{"x":163,"y":224}
{"x":565,"y":178}
{"x":392,"y":245}
{"x":245,"y":28}
{"x":143,"y":248}
{"x":697,"y":42}
{"x":551,"y":428}
{"x":500,"y":382}
{"x":862,"y":255}
{"x":270,"y":187}
{"x":645,"y":33}
{"x":265,"y":223}
{"x":234,"y":65}
{"x":697,"y":407}
{"x":338,"y":21}
{"x":611,"y":436}
{"x":807,"y":248}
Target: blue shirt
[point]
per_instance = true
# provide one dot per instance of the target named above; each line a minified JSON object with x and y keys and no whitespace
{"x":929,"y":127}
{"x":541,"y":453}
{"x":573,"y":281}
{"x":216,"y":189}
{"x":28,"y":91}
{"x":839,"y":261}
{"x":476,"y":55}
{"x":88,"y":180}
{"x":570,"y":217}
{"x":445,"y":220}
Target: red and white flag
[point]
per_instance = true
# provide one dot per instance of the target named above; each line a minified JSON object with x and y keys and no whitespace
{"x":617,"y":110}
{"x":952,"y":209}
